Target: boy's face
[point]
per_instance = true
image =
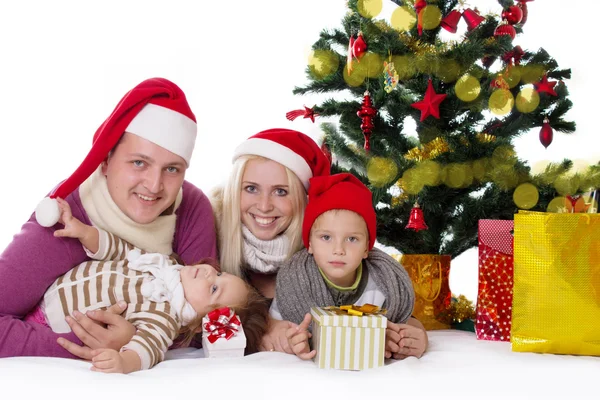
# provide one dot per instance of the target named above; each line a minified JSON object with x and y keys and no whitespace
{"x":203,"y":286}
{"x":339,"y":241}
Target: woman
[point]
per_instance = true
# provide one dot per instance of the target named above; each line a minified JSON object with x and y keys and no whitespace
{"x":260,"y":209}
{"x":131,"y":184}
{"x":259,"y":215}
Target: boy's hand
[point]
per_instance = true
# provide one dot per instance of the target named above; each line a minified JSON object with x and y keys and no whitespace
{"x":74,"y":228}
{"x":298,"y":339}
{"x":405,"y":340}
{"x":107,"y":361}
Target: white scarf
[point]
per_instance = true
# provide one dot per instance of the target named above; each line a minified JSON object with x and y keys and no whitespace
{"x":103,"y":212}
{"x":166,"y":285}
{"x":265,"y":256}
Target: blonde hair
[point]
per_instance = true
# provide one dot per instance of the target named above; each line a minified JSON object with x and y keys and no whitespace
{"x":228,"y":217}
{"x":253,"y":314}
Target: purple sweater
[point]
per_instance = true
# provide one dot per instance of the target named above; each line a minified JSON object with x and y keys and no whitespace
{"x":35,"y":259}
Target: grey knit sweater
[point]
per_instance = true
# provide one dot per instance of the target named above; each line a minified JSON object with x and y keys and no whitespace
{"x":300,"y":286}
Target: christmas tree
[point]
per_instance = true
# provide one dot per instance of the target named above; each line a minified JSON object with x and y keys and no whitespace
{"x":429,"y":122}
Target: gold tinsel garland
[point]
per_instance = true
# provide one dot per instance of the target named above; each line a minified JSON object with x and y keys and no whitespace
{"x":461,"y":309}
{"x":428,"y":151}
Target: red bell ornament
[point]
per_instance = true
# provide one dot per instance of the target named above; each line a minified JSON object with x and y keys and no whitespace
{"x":546,"y":133}
{"x":416,"y":220}
{"x":472,"y":18}
{"x":450,"y":21}
{"x":513,"y":15}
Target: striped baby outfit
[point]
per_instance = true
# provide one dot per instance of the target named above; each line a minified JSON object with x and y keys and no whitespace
{"x":110,"y":277}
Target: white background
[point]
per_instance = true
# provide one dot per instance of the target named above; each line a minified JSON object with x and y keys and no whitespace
{"x":65,"y":65}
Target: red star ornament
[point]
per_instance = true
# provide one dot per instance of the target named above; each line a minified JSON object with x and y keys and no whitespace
{"x":544,"y":86}
{"x":430,"y":105}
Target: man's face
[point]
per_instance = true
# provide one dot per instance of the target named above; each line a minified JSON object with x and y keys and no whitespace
{"x":143,"y":178}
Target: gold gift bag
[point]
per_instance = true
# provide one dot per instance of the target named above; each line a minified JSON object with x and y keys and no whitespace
{"x":429,"y":274}
{"x":556,"y":299}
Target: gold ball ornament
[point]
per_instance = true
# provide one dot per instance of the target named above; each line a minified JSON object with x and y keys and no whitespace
{"x":456,"y":175}
{"x":526,"y":196}
{"x":323,"y":63}
{"x":369,"y":8}
{"x":559,"y":204}
{"x":467,"y":88}
{"x":511,"y":75}
{"x":370,"y":65}
{"x":501,"y":102}
{"x":532,"y":73}
{"x":411,"y":181}
{"x":479,"y":168}
{"x":404,"y":67}
{"x":448,"y":70}
{"x":429,"y":172}
{"x":381,"y":171}
{"x":527,"y":100}
{"x":354,"y":79}
{"x":504,"y":176}
{"x":431,"y":17}
{"x":403,"y":18}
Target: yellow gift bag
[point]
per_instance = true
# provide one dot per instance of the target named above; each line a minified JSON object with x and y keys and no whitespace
{"x":556,"y":299}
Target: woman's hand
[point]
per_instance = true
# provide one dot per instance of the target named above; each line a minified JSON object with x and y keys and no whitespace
{"x":98,"y":330}
{"x":276,"y":338}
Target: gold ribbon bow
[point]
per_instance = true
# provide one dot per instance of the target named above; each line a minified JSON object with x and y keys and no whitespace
{"x":365,"y":309}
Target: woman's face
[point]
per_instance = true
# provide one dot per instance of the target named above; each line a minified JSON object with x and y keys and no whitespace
{"x":143,"y":178}
{"x":266,"y":205}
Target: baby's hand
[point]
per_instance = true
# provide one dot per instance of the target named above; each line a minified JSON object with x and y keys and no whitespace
{"x":108,"y":361}
{"x":298,"y":339}
{"x":74,"y":228}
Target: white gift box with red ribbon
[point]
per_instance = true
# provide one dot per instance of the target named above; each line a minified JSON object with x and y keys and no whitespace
{"x":222,"y":334}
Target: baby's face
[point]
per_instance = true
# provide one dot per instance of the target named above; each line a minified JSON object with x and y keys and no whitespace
{"x":339,"y":241}
{"x":203,"y":286}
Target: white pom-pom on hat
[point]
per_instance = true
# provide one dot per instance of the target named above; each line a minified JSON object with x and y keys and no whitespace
{"x":47,"y":212}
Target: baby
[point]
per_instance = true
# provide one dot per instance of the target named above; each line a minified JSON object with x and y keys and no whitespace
{"x":164,"y":298}
{"x":340,"y":266}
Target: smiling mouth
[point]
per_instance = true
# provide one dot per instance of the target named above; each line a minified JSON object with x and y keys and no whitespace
{"x":147,"y":199}
{"x":264,"y":221}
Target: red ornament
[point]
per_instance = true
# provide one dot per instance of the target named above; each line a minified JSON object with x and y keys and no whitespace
{"x":366,"y":113}
{"x":306,"y":113}
{"x":522,"y":4}
{"x":327,"y":151}
{"x":505,"y":29}
{"x":356,"y":49}
{"x":546,"y":133}
{"x":544,"y":86}
{"x":350,"y":54}
{"x":450,"y":21}
{"x":472,"y":18}
{"x":359,"y":47}
{"x":513,"y":15}
{"x":514,"y":56}
{"x":416,"y":220}
{"x":430,"y":105}
{"x":419,"y":6}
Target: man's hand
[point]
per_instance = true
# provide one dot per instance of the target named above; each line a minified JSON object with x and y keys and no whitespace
{"x":98,"y":330}
{"x":275,"y":339}
{"x":298,"y":339}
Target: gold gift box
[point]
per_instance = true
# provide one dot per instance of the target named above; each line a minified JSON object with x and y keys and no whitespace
{"x":345,"y":341}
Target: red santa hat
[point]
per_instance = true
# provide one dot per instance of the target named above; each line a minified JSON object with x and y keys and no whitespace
{"x":155,"y":110}
{"x":339,"y":192}
{"x":292,"y":149}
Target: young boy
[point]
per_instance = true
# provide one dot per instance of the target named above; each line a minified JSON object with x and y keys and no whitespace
{"x":340,"y":266}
